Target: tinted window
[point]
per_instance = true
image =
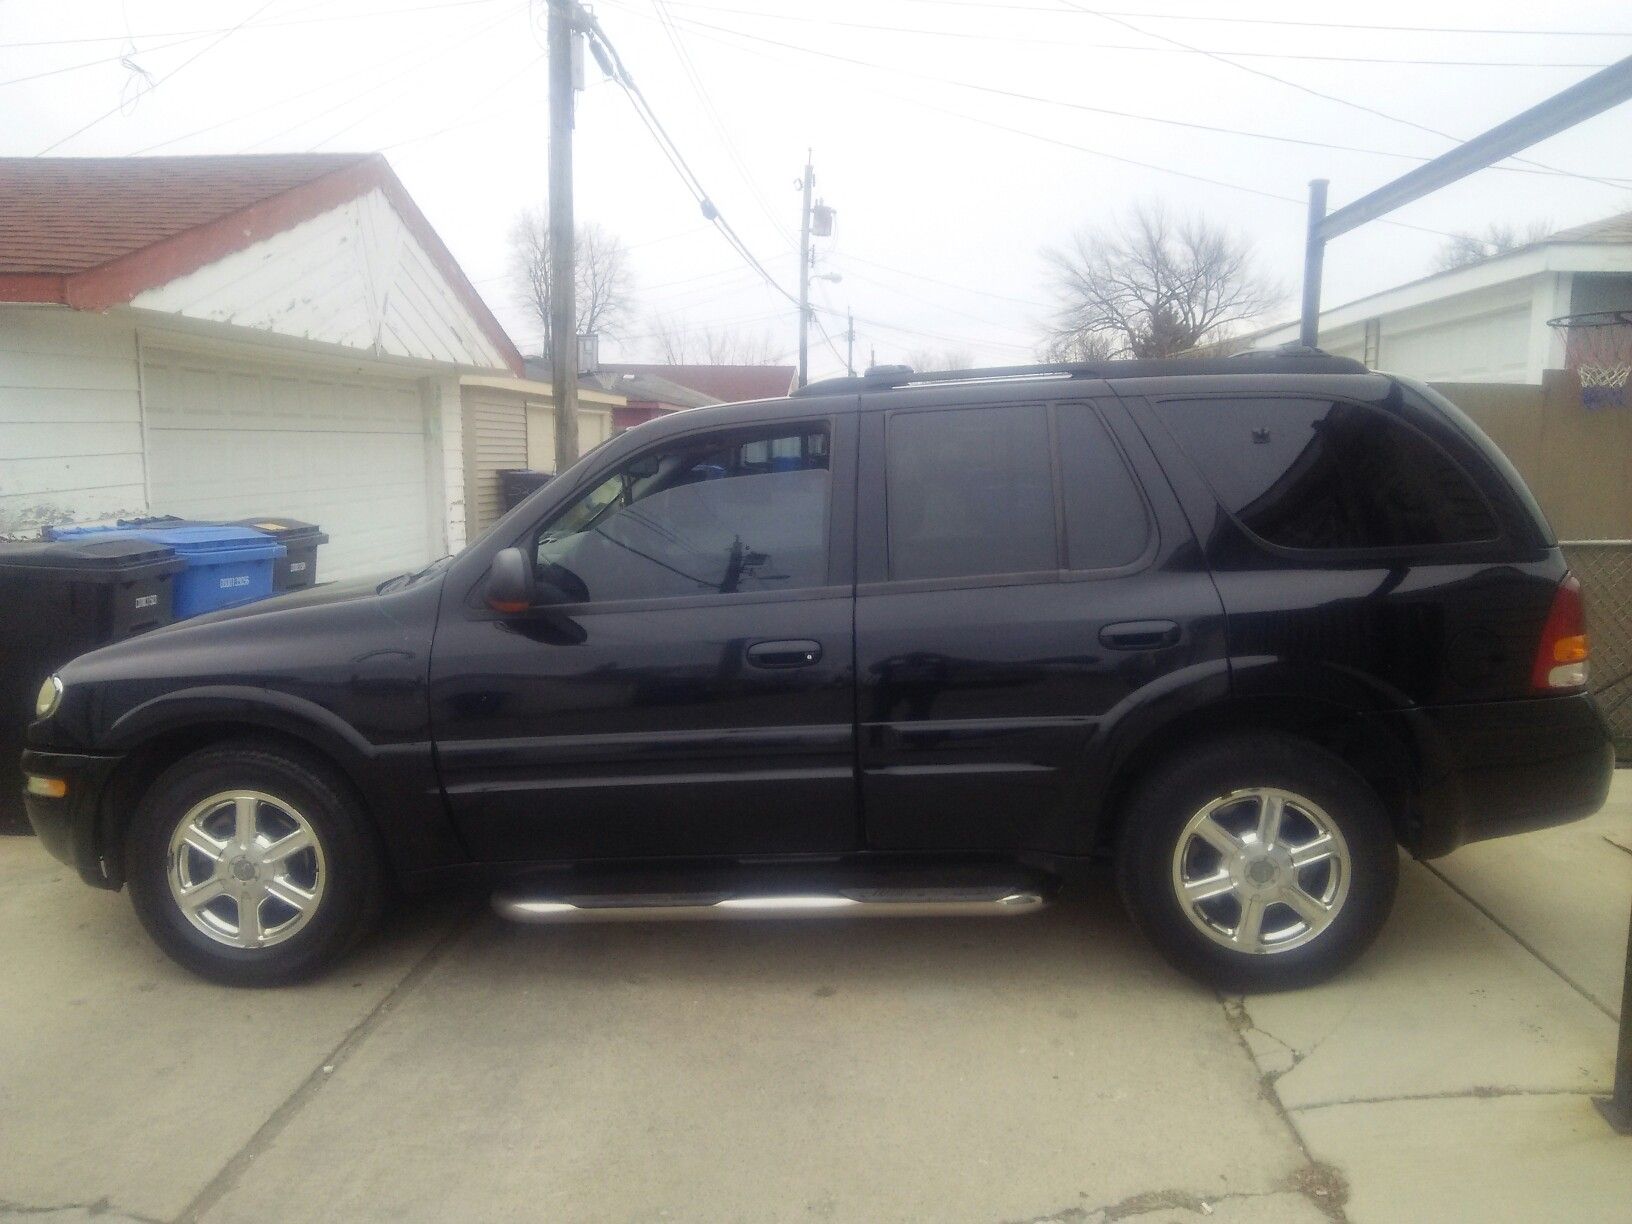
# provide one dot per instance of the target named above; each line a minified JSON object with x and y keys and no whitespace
{"x":1105,"y":523}
{"x":970,"y":492}
{"x":1318,"y":474}
{"x":716,"y":515}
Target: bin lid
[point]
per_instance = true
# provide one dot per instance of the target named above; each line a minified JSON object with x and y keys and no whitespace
{"x":285,"y":529}
{"x":189,"y":540}
{"x":98,"y":558}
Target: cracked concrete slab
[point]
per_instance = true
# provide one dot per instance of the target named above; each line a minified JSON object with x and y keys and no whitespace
{"x":1518,"y":1159}
{"x":910,"y":1070}
{"x":1554,"y":890}
{"x":1444,"y":1003}
{"x":128,"y":1083}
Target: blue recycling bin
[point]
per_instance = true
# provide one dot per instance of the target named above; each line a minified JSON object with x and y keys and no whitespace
{"x":225,"y":566}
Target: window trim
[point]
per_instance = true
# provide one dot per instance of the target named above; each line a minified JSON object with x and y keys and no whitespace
{"x":1466,"y":550}
{"x":1062,"y":571}
{"x":840,"y":565}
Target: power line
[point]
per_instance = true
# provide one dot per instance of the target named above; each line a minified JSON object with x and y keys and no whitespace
{"x":106,"y":59}
{"x":265,"y":25}
{"x":1029,"y":134}
{"x":998,"y":36}
{"x":205,"y":50}
{"x":1312,"y":25}
{"x":899,"y":70}
{"x":1315,"y":93}
{"x":672,"y":31}
{"x":671,"y":152}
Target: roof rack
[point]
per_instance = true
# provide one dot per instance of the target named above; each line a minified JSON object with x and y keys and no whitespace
{"x":1287,"y":359}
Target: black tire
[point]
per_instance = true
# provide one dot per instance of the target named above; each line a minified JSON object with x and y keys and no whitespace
{"x":1162,"y":806}
{"x":354,"y":882}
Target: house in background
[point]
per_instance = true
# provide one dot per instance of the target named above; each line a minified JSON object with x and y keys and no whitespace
{"x":728,"y":384}
{"x":1485,"y":322}
{"x":646,"y":396}
{"x":216,"y":337}
{"x":510,"y":423}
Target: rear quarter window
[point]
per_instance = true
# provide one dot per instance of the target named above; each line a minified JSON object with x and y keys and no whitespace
{"x":1328,"y":475}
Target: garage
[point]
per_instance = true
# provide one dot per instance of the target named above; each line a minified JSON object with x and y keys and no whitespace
{"x":229,"y":438}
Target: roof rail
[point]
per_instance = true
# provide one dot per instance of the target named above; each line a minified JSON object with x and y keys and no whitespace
{"x":1288,"y":359}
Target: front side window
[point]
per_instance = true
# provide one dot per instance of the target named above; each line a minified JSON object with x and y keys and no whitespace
{"x":970,"y":492}
{"x":714,"y":515}
{"x":1328,"y":475}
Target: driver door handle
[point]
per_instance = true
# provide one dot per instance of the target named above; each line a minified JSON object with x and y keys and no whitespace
{"x":1140,"y":635}
{"x":798,"y":653}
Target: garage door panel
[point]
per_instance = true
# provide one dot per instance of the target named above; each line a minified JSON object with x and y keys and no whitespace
{"x":234,"y":440}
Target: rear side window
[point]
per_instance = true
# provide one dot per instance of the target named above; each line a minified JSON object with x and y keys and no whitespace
{"x":1105,"y":522}
{"x":1329,"y":475}
{"x":970,"y":492}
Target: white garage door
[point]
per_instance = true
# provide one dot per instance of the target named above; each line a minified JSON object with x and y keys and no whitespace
{"x":227,"y":440}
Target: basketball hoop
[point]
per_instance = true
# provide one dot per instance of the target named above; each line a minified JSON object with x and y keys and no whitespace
{"x":1598,"y":350}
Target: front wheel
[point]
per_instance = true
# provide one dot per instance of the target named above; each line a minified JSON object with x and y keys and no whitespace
{"x":251,"y":865}
{"x":1258,"y":863}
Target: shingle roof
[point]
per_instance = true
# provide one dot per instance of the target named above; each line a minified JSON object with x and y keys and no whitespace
{"x":1610,"y":229}
{"x":728,"y":384}
{"x":66,"y":214}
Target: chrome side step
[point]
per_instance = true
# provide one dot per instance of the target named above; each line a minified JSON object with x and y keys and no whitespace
{"x":1005,"y":901}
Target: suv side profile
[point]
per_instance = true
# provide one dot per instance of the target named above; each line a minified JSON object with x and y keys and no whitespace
{"x":898,"y":644}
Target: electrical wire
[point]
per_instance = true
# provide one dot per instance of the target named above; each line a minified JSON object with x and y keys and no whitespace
{"x":671,"y":152}
{"x":1335,"y":98}
{"x":997,"y":36}
{"x":1314,"y":25}
{"x":265,"y":25}
{"x":106,"y":59}
{"x":900,"y":70}
{"x":108,"y":114}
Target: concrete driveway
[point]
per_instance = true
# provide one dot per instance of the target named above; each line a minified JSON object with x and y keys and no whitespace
{"x":1050,"y":1069}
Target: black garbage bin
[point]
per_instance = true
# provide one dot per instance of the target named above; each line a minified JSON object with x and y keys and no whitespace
{"x":298,"y":569}
{"x":516,"y":483}
{"x":59,"y":599}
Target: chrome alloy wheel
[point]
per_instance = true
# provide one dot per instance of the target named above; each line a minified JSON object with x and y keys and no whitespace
{"x":246,"y":869}
{"x":1261,"y":870}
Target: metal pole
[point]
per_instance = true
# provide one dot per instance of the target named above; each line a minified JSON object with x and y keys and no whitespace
{"x":563,"y":327}
{"x":1617,"y":1108}
{"x":1314,"y":259}
{"x":850,"y":344}
{"x":804,"y":274}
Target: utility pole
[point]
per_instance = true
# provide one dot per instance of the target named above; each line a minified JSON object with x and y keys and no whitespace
{"x":563,"y":326}
{"x":806,"y":185}
{"x":850,"y":344}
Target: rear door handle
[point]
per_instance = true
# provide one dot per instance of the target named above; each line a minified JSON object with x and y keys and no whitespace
{"x":1140,"y":635}
{"x":798,"y":653}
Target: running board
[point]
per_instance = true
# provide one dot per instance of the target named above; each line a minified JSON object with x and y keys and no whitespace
{"x":1003,"y":901}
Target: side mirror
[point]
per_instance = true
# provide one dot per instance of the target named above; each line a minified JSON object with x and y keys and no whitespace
{"x":509,"y":582}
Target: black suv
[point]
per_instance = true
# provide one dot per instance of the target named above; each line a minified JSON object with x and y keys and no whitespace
{"x":897,"y":644}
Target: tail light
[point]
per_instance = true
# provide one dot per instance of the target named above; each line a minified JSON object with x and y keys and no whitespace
{"x":1561,"y":656}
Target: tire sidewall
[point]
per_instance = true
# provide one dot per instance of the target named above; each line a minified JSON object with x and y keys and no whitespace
{"x":351,"y":872}
{"x":1165,"y":804}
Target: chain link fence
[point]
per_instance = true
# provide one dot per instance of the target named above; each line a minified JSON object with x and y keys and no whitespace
{"x":1605,"y":570}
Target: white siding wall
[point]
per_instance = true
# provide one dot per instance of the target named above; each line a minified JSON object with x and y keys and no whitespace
{"x":446,"y":459}
{"x":70,"y":418}
{"x":353,"y":276}
{"x":594,"y":427}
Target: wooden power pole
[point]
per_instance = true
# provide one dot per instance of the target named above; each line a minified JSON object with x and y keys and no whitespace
{"x":804,"y":273}
{"x":563,"y":326}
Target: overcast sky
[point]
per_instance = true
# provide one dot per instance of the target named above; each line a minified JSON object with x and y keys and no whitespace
{"x":946,"y":188}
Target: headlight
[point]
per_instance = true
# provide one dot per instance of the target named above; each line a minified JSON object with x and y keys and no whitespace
{"x":48,"y":698}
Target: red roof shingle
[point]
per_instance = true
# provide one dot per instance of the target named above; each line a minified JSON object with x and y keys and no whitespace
{"x":60,"y":215}
{"x":729,"y":384}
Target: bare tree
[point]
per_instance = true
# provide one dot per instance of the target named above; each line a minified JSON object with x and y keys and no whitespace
{"x":677,"y":343}
{"x":602,"y":280}
{"x":952,"y":358}
{"x":1471,"y":246}
{"x":1154,"y":287}
{"x":1077,"y":347}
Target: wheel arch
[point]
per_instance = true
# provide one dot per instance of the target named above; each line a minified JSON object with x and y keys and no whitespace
{"x":1361,"y":741}
{"x":165,"y":741}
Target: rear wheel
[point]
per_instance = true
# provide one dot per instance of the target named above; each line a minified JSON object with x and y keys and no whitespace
{"x":1258,"y":863}
{"x":250,"y":864}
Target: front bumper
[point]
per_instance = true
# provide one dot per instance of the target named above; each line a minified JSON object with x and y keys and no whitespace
{"x":1501,"y":767}
{"x":69,"y":827}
